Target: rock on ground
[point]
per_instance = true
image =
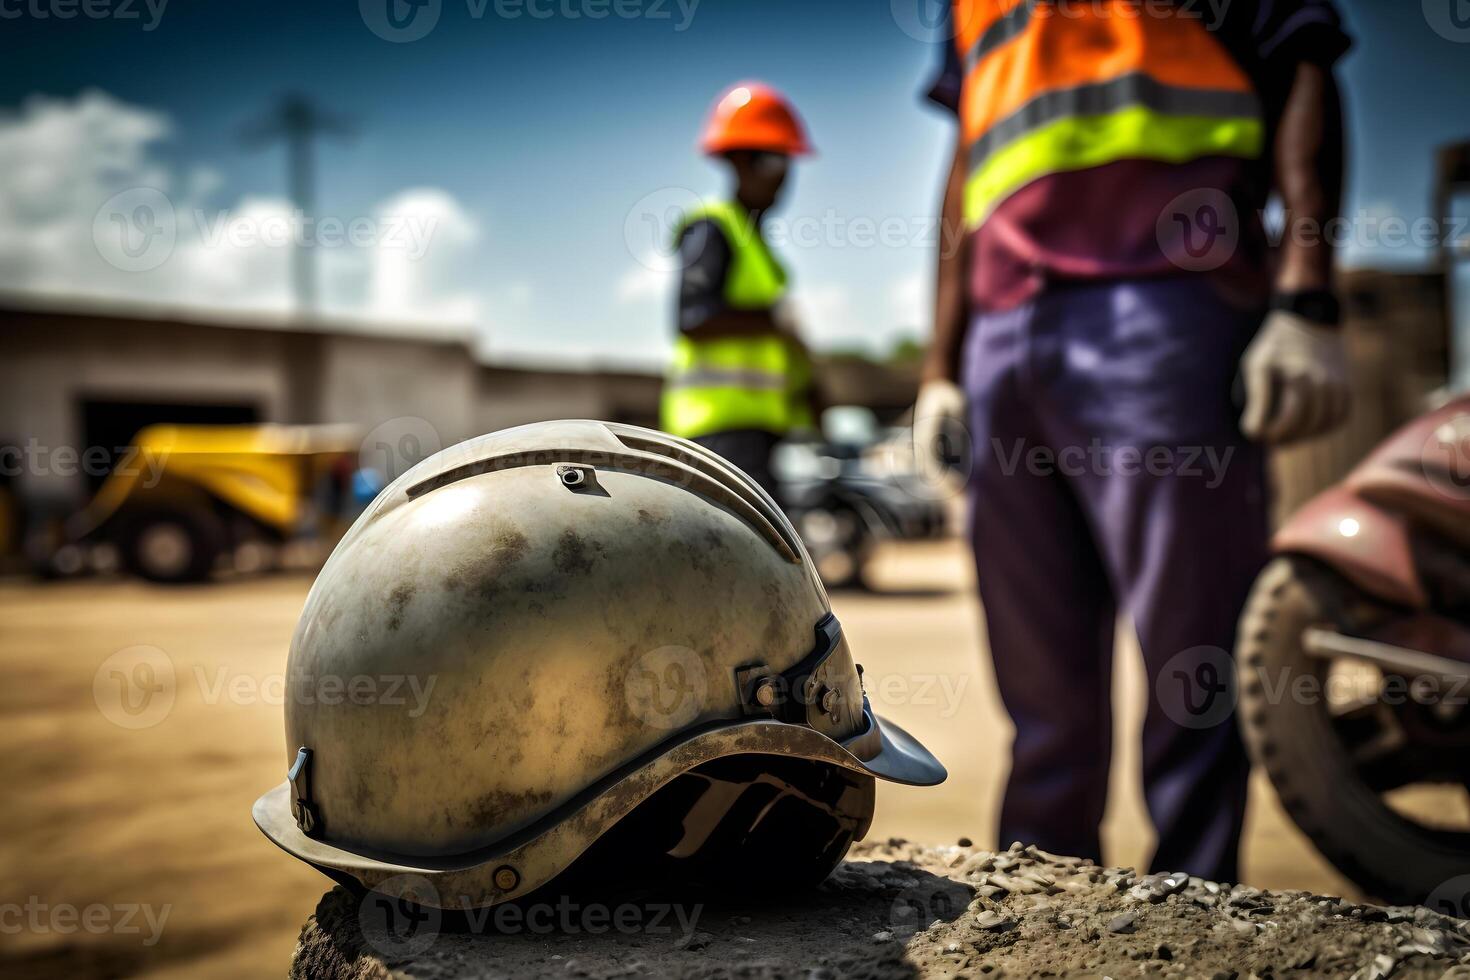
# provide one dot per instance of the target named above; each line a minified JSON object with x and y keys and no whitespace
{"x":898,"y":909}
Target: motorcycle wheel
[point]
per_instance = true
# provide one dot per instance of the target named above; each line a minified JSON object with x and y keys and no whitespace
{"x":1331,"y":763}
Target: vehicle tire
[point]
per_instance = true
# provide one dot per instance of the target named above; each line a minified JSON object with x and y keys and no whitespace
{"x":1294,"y":739}
{"x":171,"y":547}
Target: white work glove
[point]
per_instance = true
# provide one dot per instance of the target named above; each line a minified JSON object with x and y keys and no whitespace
{"x":941,"y":435}
{"x":1296,"y":380}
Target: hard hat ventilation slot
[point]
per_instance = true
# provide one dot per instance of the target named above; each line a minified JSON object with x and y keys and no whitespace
{"x":716,"y":469}
{"x":648,"y":458}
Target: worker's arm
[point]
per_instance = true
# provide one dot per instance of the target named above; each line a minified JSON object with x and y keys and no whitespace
{"x":704,"y":259}
{"x":950,"y":314}
{"x":1295,"y":370}
{"x":1309,"y":163}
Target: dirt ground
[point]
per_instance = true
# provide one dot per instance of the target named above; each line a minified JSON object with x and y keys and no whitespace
{"x":126,"y":845}
{"x":898,"y":910}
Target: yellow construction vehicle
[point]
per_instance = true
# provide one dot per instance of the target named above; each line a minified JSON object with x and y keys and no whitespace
{"x":189,"y":494}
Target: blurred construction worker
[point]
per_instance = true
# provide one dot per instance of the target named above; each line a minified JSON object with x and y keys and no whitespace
{"x":1110,"y":285}
{"x":740,"y":378}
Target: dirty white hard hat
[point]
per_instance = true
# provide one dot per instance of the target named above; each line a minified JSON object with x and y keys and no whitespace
{"x":530,"y":635}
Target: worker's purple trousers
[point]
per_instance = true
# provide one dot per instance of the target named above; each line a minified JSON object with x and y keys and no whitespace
{"x":1110,"y":473}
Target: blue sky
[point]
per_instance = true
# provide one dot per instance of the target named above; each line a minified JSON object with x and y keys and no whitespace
{"x":548,"y":131}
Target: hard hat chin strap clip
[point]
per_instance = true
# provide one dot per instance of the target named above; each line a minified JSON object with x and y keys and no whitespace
{"x":794,"y":695}
{"x":299,"y":775}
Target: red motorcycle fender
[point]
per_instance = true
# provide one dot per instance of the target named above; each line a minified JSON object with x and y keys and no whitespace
{"x":1367,"y":546}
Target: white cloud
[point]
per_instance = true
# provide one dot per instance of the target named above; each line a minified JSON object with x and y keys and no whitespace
{"x":87,"y":209}
{"x":824,"y":313}
{"x":422,"y":259}
{"x":909,"y":299}
{"x":644,"y":280}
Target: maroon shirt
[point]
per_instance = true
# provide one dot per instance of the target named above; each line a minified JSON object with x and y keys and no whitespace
{"x":1137,"y":218}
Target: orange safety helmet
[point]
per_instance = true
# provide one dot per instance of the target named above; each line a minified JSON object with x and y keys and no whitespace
{"x":753,"y":116}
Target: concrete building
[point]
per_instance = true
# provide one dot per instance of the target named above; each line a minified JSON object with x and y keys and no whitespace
{"x":73,"y":380}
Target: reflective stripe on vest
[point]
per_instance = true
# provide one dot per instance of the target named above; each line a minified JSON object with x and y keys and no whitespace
{"x":737,"y":382}
{"x":1056,"y":87}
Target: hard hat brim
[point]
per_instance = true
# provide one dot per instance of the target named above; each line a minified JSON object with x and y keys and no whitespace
{"x":720,"y":147}
{"x":539,"y":852}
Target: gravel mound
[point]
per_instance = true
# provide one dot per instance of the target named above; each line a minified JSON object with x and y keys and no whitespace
{"x":897,"y":909}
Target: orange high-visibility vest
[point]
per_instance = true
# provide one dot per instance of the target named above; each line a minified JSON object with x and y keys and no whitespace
{"x":1063,"y":85}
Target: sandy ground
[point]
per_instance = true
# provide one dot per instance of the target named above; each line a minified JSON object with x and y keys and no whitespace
{"x":126,"y":846}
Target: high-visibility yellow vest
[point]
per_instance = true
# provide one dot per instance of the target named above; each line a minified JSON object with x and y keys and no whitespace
{"x":1050,"y":88}
{"x":738,"y":382}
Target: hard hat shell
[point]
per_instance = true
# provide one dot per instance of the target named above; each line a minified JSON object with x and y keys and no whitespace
{"x":529,"y":634}
{"x":754,"y":116}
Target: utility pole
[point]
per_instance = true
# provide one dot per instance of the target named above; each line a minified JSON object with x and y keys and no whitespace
{"x":297,"y":122}
{"x":1452,"y":179}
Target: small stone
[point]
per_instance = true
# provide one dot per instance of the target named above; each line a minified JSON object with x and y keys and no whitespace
{"x":965,"y":842}
{"x":994,"y":921}
{"x":1304,"y":958}
{"x":1381,"y":968}
{"x":952,"y":948}
{"x":1123,"y":923}
{"x":882,"y":937}
{"x":1247,"y":929}
{"x":1163,"y":952}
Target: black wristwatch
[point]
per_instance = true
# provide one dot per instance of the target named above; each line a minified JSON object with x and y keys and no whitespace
{"x":1316,"y":305}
